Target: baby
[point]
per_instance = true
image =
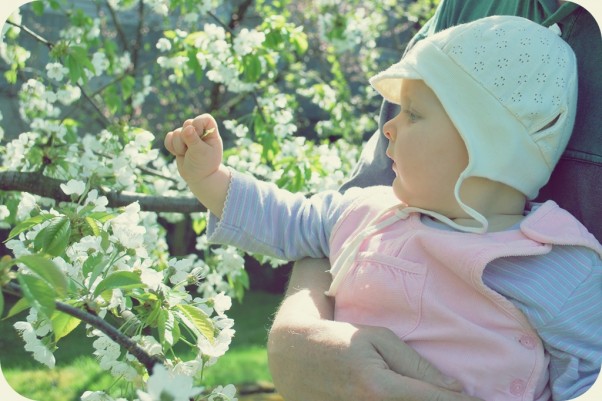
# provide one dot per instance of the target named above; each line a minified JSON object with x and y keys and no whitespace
{"x":502,"y":294}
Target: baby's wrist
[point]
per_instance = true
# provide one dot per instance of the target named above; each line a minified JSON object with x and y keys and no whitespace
{"x":211,"y":191}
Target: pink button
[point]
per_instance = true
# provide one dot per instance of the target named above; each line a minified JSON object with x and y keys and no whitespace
{"x":517,"y":387}
{"x":528,"y":342}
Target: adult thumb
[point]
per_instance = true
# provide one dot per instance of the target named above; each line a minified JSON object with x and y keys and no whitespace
{"x":404,"y":360}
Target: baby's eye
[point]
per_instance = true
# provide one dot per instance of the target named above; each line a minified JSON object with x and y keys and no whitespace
{"x":412,"y":117}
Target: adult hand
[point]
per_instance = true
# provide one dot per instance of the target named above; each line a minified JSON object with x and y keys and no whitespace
{"x":313,"y":358}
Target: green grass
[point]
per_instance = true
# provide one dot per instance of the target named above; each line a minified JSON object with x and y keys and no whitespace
{"x":76,"y":369}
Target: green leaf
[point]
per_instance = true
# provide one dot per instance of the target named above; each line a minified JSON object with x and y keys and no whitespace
{"x":127,"y":85}
{"x":39,"y":294}
{"x":63,"y":324}
{"x":21,"y":305}
{"x":170,"y":34}
{"x":92,"y":262}
{"x":195,"y":318}
{"x":11,"y":76}
{"x":29,"y":223}
{"x":168,"y":328}
{"x":251,"y":68}
{"x":299,"y":40}
{"x":1,"y":303}
{"x":47,"y":270}
{"x":38,"y":8}
{"x":81,"y":56}
{"x":102,"y":217}
{"x":54,"y":238}
{"x":93,"y":226}
{"x":121,"y":280}
{"x":199,"y":225}
{"x":75,"y":70}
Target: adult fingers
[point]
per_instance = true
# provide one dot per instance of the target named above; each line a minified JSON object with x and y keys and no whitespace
{"x":395,"y":387}
{"x":405,"y":361}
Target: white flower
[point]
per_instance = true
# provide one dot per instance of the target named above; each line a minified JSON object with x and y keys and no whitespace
{"x":96,"y":396}
{"x":151,"y":345}
{"x":151,"y":278}
{"x":99,"y":203}
{"x":219,"y":346}
{"x":123,"y":369}
{"x":74,"y":187}
{"x":221,"y":303}
{"x":129,"y":236}
{"x":247,"y":40}
{"x":230,"y":259}
{"x":69,"y":94}
{"x":122,"y":63}
{"x":4,"y":212}
{"x":100,"y":63}
{"x":221,"y":393}
{"x":215,"y":32}
{"x":164,"y":45}
{"x":160,"y":7}
{"x":188,"y":368}
{"x":26,"y":205}
{"x":165,"y":386}
{"x":34,"y":345}
{"x":56,"y":71}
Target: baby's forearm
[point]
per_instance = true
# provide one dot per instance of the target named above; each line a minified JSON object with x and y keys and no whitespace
{"x":212,"y":190}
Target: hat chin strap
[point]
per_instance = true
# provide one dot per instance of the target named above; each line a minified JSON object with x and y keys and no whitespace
{"x":444,"y":219}
{"x":344,"y":261}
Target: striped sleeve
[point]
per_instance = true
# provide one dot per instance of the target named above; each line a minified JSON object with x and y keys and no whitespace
{"x":574,"y":339}
{"x":261,"y":218}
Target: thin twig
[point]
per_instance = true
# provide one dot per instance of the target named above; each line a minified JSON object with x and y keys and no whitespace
{"x":50,"y":45}
{"x":219,"y":21}
{"x":37,"y":37}
{"x":93,"y":320}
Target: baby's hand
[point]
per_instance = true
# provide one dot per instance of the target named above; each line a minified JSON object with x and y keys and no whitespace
{"x":198,"y":148}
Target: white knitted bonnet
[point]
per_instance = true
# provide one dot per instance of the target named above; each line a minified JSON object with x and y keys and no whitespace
{"x":509,"y":86}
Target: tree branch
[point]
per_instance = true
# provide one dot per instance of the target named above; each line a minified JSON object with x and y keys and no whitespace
{"x":93,"y":320}
{"x":32,"y":34}
{"x":38,"y":184}
{"x":118,"y":27}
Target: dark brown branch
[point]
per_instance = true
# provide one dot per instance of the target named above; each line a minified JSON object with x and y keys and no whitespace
{"x":93,"y":320}
{"x":118,"y":27}
{"x":38,"y":184}
{"x":239,"y":14}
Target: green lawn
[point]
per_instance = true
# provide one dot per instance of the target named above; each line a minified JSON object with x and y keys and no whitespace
{"x":76,"y":369}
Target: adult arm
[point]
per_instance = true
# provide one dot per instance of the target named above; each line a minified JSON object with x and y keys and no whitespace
{"x":313,"y":358}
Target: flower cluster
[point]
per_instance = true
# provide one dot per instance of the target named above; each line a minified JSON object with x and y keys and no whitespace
{"x":78,"y":113}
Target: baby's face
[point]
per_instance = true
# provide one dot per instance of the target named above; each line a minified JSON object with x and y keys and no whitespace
{"x":427,"y":151}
